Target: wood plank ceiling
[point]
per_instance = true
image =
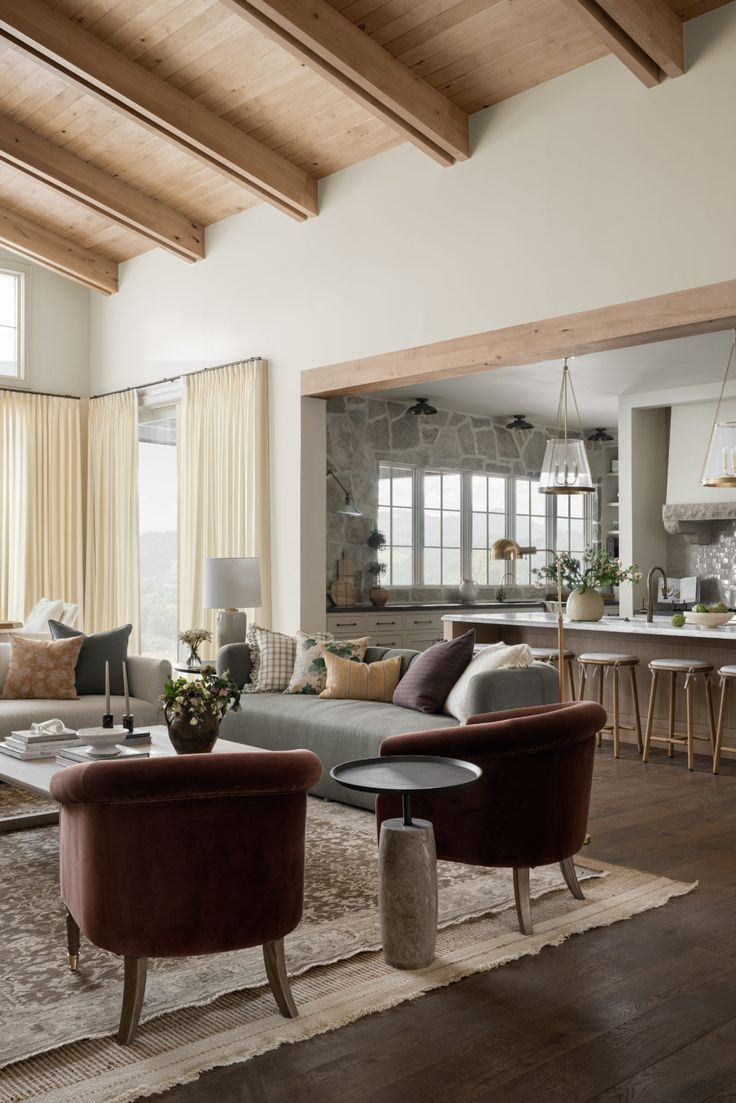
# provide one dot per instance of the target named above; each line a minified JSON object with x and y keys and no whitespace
{"x":100,"y":160}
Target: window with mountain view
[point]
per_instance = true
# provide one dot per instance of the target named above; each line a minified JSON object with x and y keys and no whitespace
{"x":157,"y":496}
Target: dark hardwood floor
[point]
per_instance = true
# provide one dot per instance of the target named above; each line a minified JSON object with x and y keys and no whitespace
{"x":640,"y":1012}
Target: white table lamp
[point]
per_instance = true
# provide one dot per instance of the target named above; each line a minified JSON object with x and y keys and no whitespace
{"x":231,"y":585}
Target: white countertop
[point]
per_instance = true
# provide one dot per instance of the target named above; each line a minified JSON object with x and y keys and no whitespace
{"x":610,"y":625}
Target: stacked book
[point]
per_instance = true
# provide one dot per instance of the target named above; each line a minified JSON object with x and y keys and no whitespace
{"x":30,"y":744}
{"x":82,"y":753}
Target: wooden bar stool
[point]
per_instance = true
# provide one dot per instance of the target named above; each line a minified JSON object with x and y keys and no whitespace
{"x":727,"y":675}
{"x":692,"y":670}
{"x":602,"y":662}
{"x":550,"y":655}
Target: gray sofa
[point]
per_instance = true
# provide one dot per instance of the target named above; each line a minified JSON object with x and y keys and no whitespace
{"x":146,"y":682}
{"x":338,"y":731}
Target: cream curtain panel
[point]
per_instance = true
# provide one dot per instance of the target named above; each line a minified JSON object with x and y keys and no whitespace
{"x":41,"y":541}
{"x":112,"y":576}
{"x":223,"y":481}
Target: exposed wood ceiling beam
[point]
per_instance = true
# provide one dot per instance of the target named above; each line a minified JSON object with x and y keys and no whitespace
{"x":617,"y":41}
{"x":317,"y":34}
{"x":99,"y":190}
{"x":660,"y":318}
{"x":645,"y":35}
{"x":655,"y":27}
{"x":48,"y":248}
{"x":70,"y":50}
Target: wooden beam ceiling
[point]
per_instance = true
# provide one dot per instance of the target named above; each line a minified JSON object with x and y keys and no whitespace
{"x":78,"y":55}
{"x":99,"y":191}
{"x":332,"y":45}
{"x":592,"y":15}
{"x":646,"y":35}
{"x":662,"y":317}
{"x":53,"y":251}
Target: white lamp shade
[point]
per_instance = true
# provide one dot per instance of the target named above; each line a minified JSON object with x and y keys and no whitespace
{"x":232,"y":584}
{"x":565,"y":469}
{"x":720,"y":463}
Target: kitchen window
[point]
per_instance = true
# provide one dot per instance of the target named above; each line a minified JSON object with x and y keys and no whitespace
{"x":440,"y":525}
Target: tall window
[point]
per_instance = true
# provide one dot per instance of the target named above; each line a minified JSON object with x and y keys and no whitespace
{"x":396,"y":521}
{"x":11,"y":324}
{"x":157,"y":496}
{"x":571,"y":524}
{"x":530,"y":527}
{"x":442,"y":529}
{"x":488,"y":524}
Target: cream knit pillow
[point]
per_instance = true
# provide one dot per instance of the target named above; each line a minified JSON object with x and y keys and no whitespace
{"x":490,"y":658}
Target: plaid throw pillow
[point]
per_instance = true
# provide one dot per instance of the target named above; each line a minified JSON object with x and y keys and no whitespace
{"x":310,"y":671}
{"x":272,"y":660}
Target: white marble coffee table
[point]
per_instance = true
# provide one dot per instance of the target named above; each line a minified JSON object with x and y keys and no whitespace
{"x":35,"y":775}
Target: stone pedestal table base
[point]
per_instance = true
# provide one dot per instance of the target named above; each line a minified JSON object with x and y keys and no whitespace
{"x":407,"y":893}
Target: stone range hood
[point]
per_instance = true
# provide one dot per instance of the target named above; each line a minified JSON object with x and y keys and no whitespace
{"x":699,"y":522}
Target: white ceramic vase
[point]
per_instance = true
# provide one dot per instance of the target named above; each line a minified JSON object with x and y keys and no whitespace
{"x":468,"y":590}
{"x":585,"y":605}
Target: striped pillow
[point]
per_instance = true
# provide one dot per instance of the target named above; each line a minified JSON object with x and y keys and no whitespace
{"x":351,"y":681}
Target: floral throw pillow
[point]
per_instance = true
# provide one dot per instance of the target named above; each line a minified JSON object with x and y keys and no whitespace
{"x":310,"y":669}
{"x":42,"y":669}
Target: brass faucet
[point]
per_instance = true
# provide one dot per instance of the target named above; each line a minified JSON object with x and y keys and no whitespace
{"x":650,"y":599}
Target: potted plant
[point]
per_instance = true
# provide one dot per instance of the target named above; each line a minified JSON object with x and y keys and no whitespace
{"x":194,"y":707}
{"x":584,"y":581}
{"x":194,"y":638}
{"x":376,"y":539}
{"x":377,"y":594}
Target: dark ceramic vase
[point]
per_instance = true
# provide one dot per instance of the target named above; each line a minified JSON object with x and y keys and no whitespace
{"x":188,"y":738}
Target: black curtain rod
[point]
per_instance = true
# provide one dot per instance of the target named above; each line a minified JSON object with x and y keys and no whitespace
{"x":41,"y":394}
{"x":173,"y":378}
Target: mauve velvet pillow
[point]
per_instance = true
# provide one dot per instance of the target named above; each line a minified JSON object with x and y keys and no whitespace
{"x":432,"y":675}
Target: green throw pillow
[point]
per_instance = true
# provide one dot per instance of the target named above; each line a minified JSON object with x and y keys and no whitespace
{"x":97,"y":649}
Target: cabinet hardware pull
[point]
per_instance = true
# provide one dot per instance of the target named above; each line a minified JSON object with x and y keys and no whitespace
{"x":390,"y":623}
{"x":346,"y":624}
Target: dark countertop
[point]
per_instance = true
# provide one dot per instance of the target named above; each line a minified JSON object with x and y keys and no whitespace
{"x":424,"y":607}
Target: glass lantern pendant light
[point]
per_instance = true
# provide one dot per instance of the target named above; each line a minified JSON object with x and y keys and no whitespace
{"x":719,"y":468}
{"x":565,"y":469}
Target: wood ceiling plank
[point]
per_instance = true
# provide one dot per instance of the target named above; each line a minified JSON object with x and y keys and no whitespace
{"x":679,"y":314}
{"x":53,"y":251}
{"x":326,"y":41}
{"x":96,"y":189}
{"x":129,"y":88}
{"x":654,"y":27}
{"x":621,"y":45}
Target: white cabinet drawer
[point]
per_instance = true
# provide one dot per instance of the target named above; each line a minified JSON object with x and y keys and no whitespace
{"x":430,"y":624}
{"x":385,"y":622}
{"x":420,"y":641}
{"x":387,"y":639}
{"x":346,"y":626}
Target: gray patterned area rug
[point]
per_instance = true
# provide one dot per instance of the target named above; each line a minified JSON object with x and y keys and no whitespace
{"x":213,"y":1011}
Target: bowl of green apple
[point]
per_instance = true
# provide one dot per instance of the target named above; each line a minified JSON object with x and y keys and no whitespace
{"x":709,"y":616}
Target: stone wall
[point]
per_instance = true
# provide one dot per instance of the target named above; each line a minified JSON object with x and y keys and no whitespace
{"x":363,"y":432}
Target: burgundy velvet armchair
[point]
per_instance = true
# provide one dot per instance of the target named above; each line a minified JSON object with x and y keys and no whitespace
{"x":530,"y":807}
{"x":176,"y":856}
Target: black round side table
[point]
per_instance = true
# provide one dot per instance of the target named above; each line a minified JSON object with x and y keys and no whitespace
{"x":407,"y":857}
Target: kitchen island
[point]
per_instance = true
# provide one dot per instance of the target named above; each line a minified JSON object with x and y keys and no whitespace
{"x":659,"y":640}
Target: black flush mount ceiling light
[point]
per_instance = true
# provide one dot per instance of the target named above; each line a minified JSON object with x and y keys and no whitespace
{"x":422,"y":408}
{"x":519,"y":422}
{"x":600,"y":436}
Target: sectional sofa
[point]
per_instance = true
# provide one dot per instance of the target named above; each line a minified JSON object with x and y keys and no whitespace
{"x":338,"y":731}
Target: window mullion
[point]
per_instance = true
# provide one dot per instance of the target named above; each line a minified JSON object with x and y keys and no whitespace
{"x":466,"y":526}
{"x":417,"y":497}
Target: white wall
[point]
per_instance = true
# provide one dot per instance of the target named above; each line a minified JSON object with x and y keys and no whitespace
{"x":586,"y":191}
{"x":57,"y":330}
{"x":690,"y":432}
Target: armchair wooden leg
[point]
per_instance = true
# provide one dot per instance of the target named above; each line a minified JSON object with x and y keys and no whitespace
{"x":134,"y":989}
{"x":72,"y":942}
{"x":567,"y":865}
{"x":523,"y":900}
{"x":273,"y":957}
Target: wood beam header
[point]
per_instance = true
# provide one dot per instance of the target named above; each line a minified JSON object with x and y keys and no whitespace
{"x":53,"y":251}
{"x":663,"y":317}
{"x":325,"y":40}
{"x":68,"y":49}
